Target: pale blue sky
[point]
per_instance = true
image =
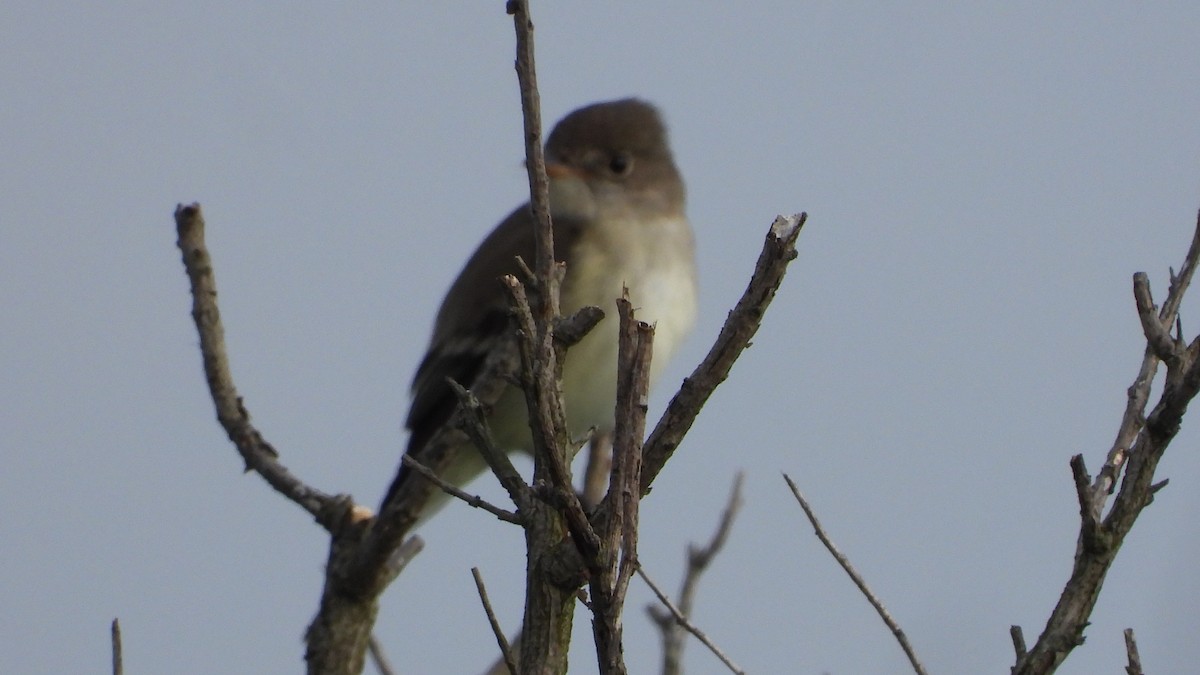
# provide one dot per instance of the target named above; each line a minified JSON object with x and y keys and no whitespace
{"x":982,"y":181}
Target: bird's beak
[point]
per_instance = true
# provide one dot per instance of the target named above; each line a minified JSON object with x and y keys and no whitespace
{"x":558,"y":170}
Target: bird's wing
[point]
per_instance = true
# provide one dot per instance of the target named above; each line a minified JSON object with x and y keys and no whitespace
{"x":473,"y":321}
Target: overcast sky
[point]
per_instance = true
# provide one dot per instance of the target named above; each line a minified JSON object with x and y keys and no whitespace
{"x":982,"y":182}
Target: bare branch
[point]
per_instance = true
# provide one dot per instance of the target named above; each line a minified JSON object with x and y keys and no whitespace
{"x":595,"y":484}
{"x":1158,"y":334}
{"x":379,"y":657}
{"x":341,"y":632}
{"x":256,"y":452}
{"x":1018,"y":640}
{"x":1131,"y":653}
{"x":613,"y":564}
{"x":857,"y":579}
{"x":474,"y":422}
{"x":682,"y":620}
{"x":535,"y":160}
{"x":1089,"y":513}
{"x":547,"y":419}
{"x":1181,"y":281}
{"x":510,"y":660}
{"x":1159,"y":345}
{"x":743,"y":322}
{"x":1141,"y":441}
{"x":403,"y":555}
{"x":549,"y":609}
{"x":118,"y":660}
{"x":699,"y":559}
{"x":568,"y":330}
{"x":474,"y":501}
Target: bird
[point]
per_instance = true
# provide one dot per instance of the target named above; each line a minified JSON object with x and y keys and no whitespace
{"x":617,"y":203}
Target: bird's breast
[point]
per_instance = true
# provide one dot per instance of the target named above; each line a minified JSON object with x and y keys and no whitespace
{"x":654,"y":259}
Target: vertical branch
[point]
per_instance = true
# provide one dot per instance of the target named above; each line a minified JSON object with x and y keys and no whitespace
{"x":549,"y":608}
{"x":613,"y":565}
{"x":118,"y":660}
{"x":535,"y":161}
{"x":1131,"y":654}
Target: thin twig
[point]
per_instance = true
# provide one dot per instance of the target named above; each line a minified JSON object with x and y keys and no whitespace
{"x":1132,"y":421}
{"x":699,"y":559}
{"x":1131,"y":653}
{"x":535,"y":160}
{"x":1181,"y":281}
{"x":1159,"y":346}
{"x":857,"y":579}
{"x":118,"y":660}
{"x":1018,"y":640}
{"x":379,"y":657}
{"x":510,"y":659}
{"x":688,"y":625}
{"x":474,"y":501}
{"x":1089,"y":517}
{"x":499,"y":666}
{"x":474,"y":422}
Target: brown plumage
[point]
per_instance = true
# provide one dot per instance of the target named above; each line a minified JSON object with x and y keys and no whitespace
{"x":617,"y":204}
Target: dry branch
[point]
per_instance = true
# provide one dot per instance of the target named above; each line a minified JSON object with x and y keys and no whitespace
{"x":473,"y":421}
{"x":232,"y":414}
{"x":671,"y":629}
{"x":1140,"y":443}
{"x":861,"y":583}
{"x":743,"y":322}
{"x":549,"y":607}
{"x":612,"y":565}
{"x":1131,"y":653}
{"x":688,"y":625}
{"x":506,"y":652}
{"x":118,"y":658}
{"x":379,"y":658}
{"x":474,"y":501}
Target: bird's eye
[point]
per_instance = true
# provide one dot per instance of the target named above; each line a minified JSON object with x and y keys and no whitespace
{"x":620,"y":164}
